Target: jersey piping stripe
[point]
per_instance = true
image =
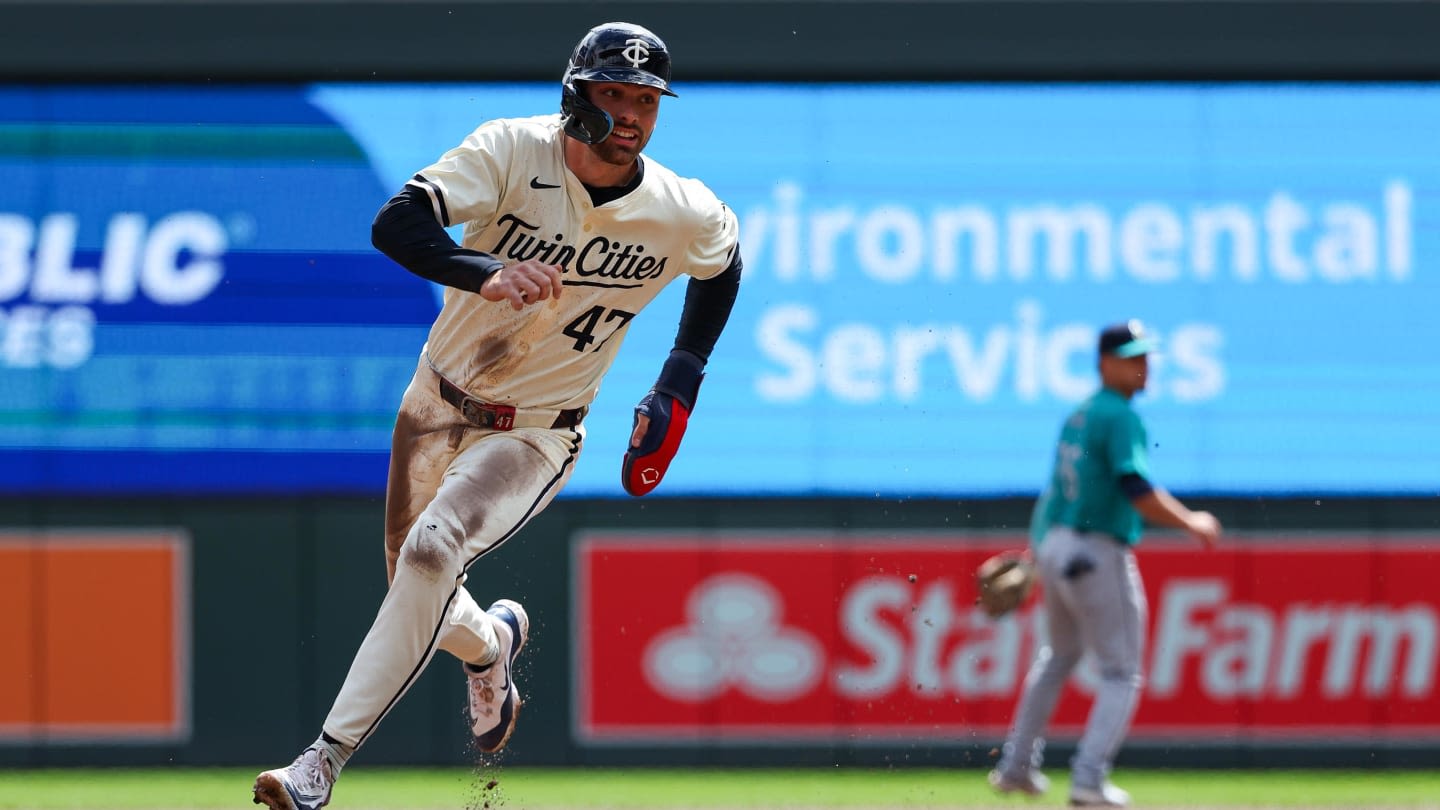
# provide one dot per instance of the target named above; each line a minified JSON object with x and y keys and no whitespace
{"x":1132,"y":632}
{"x":437,"y":197}
{"x":414,"y":673}
{"x":731,"y":255}
{"x":435,"y":636}
{"x":554,"y":481}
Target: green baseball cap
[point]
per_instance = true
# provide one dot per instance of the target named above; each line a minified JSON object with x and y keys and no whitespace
{"x":1125,"y":340}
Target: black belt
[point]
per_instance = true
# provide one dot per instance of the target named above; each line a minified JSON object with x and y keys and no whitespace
{"x":503,"y":417}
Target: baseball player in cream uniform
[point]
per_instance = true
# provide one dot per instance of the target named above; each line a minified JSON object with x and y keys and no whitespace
{"x":568,"y":234}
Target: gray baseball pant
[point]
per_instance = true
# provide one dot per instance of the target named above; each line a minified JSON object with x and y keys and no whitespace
{"x":1094,"y":602}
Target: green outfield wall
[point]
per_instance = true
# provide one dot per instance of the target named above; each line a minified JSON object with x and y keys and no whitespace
{"x":764,"y":40}
{"x":280,"y":593}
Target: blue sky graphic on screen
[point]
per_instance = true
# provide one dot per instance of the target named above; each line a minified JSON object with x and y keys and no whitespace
{"x":189,"y":301}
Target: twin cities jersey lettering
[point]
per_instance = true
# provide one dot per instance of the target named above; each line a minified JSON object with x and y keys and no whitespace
{"x":599,"y":256}
{"x":509,"y":186}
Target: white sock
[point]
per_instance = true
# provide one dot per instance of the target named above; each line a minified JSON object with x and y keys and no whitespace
{"x":338,"y":753}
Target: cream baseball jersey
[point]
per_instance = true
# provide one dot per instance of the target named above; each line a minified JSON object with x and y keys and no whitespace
{"x":509,"y":186}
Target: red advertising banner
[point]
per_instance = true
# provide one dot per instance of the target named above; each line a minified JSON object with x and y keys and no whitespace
{"x":755,"y":638}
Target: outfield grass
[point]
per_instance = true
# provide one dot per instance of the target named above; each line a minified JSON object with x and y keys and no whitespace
{"x":518,"y":788}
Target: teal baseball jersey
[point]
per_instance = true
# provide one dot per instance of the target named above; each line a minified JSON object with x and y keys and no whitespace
{"x":1102,"y":440}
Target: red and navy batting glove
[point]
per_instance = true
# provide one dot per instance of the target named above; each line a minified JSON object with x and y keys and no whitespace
{"x":668,"y":405}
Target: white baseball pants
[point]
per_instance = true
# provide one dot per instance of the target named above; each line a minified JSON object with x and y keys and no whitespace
{"x":455,"y":493}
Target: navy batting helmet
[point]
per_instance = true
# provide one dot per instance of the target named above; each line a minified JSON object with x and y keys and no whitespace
{"x":610,"y":52}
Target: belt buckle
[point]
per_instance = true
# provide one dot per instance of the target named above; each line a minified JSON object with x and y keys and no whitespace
{"x":486,"y":415}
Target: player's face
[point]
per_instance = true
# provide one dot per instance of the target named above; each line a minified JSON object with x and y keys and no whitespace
{"x":1127,"y":375}
{"x":634,"y":108}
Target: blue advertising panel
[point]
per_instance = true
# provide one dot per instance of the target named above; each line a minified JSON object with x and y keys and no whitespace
{"x":189,"y":302}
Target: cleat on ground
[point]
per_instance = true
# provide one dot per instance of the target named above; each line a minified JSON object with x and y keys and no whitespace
{"x":1029,"y":782}
{"x":304,"y":784}
{"x":1106,"y":795}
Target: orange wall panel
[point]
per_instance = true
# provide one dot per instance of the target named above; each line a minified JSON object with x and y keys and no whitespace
{"x":100,"y":625}
{"x":18,"y":587}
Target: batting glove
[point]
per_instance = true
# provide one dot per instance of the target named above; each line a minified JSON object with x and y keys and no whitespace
{"x":668,"y":405}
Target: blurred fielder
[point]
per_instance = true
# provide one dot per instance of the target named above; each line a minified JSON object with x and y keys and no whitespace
{"x":1083,"y":531}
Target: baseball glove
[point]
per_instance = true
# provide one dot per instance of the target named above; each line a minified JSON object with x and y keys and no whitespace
{"x":1003,"y":582}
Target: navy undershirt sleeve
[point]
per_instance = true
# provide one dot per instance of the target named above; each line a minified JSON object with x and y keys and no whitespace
{"x":1135,"y":486}
{"x":707,"y":308}
{"x":406,"y":230}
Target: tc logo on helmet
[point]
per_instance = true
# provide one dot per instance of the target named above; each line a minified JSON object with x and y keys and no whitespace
{"x":636,"y":51}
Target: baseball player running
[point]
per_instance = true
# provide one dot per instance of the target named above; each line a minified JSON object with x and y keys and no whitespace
{"x":1083,"y":531}
{"x":568,"y":233}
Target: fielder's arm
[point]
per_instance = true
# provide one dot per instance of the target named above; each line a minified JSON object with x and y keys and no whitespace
{"x":1160,"y":508}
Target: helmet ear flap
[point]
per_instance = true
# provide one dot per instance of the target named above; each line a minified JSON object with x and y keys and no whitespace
{"x":610,"y":52}
{"x":584,"y":121}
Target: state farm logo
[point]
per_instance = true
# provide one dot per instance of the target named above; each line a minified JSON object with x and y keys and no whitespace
{"x":748,"y":638}
{"x":734,"y":638}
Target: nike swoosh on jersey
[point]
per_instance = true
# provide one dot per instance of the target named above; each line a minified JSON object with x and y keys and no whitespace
{"x":535,"y":183}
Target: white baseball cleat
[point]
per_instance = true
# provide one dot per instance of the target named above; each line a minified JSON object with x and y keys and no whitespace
{"x":494,"y":698}
{"x":302,"y":785}
{"x":1029,"y":782}
{"x":1107,"y":795}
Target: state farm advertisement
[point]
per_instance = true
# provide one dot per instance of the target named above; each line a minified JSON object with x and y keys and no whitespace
{"x":751,"y":637}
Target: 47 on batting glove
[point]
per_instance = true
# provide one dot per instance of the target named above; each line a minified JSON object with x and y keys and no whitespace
{"x":668,"y":405}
